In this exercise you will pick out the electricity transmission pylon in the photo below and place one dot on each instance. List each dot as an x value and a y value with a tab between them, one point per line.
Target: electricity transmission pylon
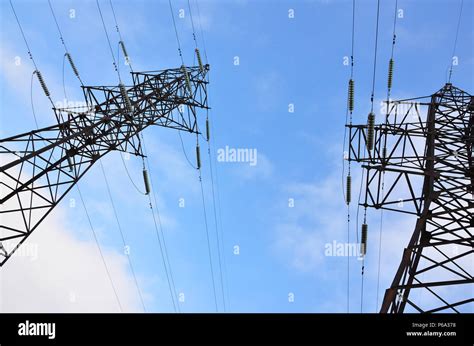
430	163
38	168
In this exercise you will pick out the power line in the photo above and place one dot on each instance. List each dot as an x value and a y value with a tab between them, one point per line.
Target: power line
447	106
115	19
348	257
221	227
157	224
121	157
172	293
130	177
129	63
394	35
455	41
210	165
198	166
37	72
99	248
164	243
31	99
350	100
23	35
85	208
205	217
132	270
198	54
192	24
379	256
217	230
158	230
176	33
384	149
121	43
77	186
362	286
346	181
184	151
63	75
357	235
375	56
201	30
215	211
108	41
224	291
86	211
370	128
207	237
67	55
57	25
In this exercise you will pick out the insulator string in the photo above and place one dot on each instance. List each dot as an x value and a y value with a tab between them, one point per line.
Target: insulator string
37	71
201	31
121	42
67	54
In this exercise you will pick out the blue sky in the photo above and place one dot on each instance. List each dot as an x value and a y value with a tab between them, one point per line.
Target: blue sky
282	60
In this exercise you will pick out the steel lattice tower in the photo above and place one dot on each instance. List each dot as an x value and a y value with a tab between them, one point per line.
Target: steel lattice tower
429	162
38	168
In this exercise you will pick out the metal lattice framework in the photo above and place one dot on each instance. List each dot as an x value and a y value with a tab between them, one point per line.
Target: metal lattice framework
435	156
38	168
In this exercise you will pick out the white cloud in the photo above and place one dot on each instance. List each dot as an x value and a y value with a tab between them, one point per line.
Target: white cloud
67	275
